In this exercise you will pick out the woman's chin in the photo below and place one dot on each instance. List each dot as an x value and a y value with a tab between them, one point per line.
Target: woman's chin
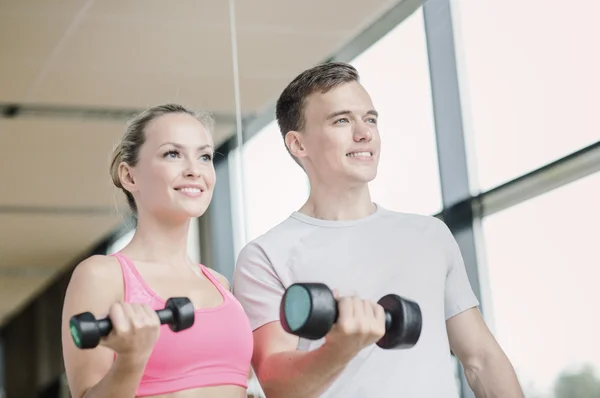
182	214
192	211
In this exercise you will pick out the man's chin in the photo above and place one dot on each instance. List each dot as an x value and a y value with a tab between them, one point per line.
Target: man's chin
357	181
365	177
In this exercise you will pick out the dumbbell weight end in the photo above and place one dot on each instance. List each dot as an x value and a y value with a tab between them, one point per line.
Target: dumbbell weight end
308	310
178	314
403	322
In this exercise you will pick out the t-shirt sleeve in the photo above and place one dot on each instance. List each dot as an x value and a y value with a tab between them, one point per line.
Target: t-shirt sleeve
459	295
257	286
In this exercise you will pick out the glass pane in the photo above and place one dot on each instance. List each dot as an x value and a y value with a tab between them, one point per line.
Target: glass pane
275	185
120	243
529	78
395	72
544	270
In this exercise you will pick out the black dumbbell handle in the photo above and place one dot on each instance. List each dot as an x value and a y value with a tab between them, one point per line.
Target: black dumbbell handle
105	325
388	318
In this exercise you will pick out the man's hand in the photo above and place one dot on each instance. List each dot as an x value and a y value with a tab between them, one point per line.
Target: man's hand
360	323
286	372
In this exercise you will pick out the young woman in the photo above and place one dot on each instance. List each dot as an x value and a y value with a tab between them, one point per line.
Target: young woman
164	165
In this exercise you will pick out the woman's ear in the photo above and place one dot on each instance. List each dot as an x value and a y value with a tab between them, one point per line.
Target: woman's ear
126	177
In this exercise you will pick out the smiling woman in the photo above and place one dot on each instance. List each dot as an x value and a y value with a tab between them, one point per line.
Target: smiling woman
164	166
163	118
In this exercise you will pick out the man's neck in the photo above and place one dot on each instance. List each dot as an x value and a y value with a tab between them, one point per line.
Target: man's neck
339	203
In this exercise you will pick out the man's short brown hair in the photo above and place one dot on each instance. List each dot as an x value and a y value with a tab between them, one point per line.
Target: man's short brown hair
289	110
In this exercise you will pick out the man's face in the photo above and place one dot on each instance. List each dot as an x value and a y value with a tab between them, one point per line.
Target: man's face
341	140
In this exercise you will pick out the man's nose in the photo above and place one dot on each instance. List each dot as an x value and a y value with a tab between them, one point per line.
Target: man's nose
362	132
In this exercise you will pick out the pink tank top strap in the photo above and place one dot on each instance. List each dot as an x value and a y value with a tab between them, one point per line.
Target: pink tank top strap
133	284
213	279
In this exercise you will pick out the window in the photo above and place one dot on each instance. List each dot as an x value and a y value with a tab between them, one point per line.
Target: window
395	72
543	265
121	242
275	185
528	75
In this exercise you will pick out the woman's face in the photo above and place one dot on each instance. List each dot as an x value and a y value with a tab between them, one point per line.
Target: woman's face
175	176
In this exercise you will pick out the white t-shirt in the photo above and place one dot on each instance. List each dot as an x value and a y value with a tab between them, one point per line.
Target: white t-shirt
413	256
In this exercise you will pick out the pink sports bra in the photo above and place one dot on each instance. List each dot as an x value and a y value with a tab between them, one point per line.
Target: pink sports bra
216	350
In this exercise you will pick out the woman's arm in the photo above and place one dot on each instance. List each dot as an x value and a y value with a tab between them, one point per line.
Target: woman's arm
96	286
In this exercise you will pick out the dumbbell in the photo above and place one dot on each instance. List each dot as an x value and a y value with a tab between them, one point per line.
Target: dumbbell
309	310
87	331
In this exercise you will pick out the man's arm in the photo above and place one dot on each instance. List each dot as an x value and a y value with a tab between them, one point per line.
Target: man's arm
282	370
487	368
285	372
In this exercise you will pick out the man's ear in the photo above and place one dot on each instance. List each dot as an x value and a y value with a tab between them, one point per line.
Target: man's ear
126	177
293	140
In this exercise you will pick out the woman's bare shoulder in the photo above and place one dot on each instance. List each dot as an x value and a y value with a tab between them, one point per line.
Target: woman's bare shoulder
98	266
222	280
100	274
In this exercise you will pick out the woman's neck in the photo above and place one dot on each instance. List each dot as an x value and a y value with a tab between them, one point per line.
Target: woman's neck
159	242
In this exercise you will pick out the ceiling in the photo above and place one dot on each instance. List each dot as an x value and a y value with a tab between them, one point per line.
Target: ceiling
71	57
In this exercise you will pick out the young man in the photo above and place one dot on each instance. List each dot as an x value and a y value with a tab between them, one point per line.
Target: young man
341	238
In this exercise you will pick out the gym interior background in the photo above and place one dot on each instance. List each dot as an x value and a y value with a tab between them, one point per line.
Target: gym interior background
487	119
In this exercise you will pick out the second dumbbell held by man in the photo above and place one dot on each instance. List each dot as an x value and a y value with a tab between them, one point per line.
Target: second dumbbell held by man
311	310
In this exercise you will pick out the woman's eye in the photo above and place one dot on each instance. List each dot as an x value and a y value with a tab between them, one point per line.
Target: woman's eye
171	154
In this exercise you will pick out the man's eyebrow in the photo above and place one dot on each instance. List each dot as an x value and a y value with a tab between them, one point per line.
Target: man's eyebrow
337	113
372	112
